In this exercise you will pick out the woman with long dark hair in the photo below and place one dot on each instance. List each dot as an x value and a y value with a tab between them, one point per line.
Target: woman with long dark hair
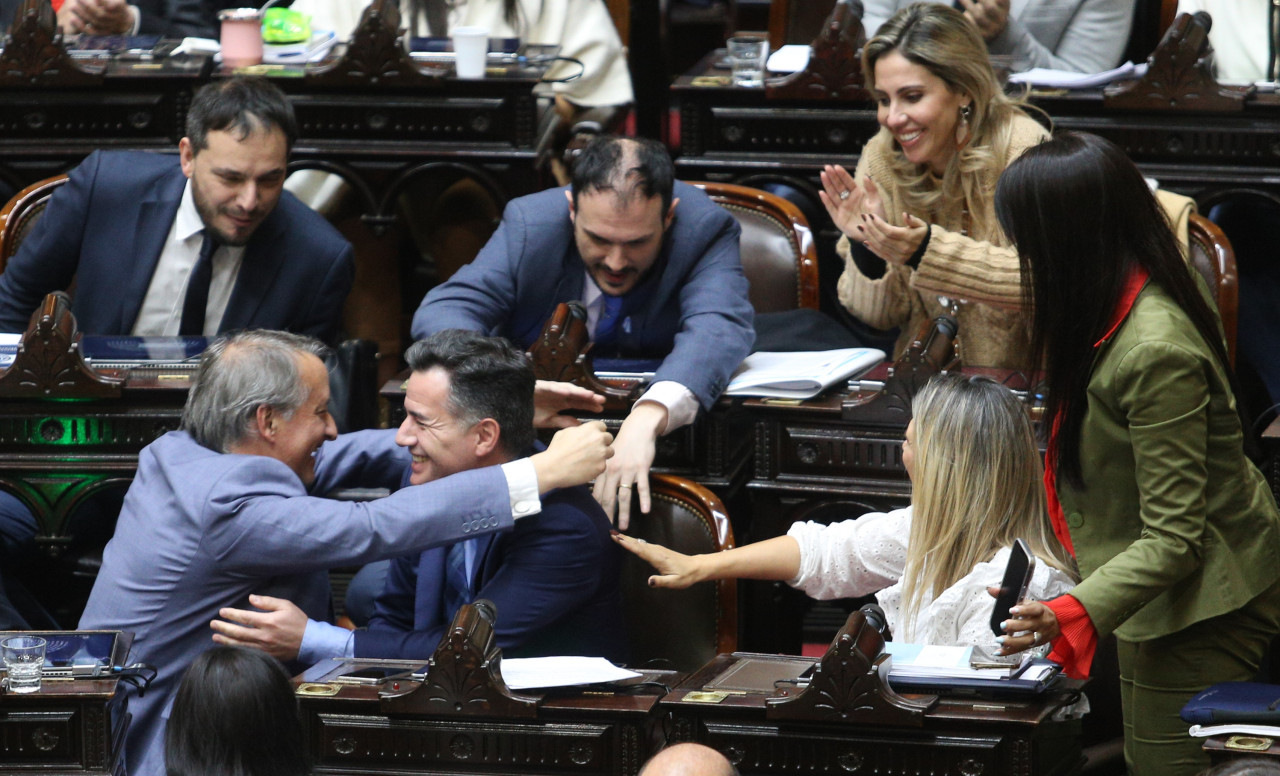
1176	534
235	715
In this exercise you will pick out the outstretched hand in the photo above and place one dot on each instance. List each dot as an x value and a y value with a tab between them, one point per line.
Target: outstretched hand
628	470
550	398
675	570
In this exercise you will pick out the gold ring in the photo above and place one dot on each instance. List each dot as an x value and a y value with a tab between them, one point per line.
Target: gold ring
620	487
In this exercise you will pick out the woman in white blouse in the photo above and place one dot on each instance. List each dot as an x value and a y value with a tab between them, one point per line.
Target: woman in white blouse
977	485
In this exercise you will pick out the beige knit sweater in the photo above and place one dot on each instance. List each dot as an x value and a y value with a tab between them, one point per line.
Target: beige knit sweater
979	273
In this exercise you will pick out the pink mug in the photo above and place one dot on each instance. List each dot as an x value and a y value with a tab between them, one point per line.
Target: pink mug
241	37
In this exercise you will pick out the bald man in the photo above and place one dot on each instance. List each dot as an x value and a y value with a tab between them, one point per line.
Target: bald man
688	760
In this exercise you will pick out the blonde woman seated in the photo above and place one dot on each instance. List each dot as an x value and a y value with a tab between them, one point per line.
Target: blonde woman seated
920	234
976	477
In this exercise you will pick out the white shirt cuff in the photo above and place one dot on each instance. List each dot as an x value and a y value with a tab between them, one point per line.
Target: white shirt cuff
137	19
522	486
681	404
321	641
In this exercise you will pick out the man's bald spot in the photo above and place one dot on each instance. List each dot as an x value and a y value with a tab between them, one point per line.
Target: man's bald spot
688	760
624	180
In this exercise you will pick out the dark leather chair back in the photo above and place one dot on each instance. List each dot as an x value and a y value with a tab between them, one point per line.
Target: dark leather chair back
681	629
21	212
1212	255
778	253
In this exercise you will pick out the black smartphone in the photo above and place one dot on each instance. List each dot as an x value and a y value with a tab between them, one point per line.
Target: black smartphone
1013	588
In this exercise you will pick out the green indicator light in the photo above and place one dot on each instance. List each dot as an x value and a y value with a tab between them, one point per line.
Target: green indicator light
67	430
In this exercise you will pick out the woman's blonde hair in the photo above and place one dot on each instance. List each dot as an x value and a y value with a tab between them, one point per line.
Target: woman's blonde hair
977	484
939	39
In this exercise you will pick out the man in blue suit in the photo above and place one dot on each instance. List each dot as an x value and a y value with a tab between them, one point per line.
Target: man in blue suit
202	244
199	244
223	509
656	264
553	578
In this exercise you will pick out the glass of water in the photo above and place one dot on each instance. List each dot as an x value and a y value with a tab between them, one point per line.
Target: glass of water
23	659
747	54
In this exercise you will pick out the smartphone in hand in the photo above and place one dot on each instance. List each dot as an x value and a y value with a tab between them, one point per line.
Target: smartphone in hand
1013	588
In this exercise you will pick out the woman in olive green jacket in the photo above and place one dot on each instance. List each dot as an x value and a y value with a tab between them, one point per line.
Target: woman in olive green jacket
1176	533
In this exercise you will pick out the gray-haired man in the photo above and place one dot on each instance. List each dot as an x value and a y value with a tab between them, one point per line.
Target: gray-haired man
221	509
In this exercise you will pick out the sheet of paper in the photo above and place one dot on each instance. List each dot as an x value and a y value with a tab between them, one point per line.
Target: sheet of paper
522	673
791	58
1065	79
1204	731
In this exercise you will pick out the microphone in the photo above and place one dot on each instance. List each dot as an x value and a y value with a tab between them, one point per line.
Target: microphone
487	609
875	617
936	348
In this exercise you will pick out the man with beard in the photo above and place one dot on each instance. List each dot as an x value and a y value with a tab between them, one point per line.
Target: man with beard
656	265
202	244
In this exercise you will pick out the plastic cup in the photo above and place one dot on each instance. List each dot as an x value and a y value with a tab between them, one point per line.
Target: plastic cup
23	658
241	37
747	54
470	50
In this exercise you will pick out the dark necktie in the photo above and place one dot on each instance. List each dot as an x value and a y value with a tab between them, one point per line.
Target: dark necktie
607	325
457	583
197	300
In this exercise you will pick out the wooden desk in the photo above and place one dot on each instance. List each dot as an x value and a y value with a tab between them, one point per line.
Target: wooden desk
374	117
67	727
462	718
68	431
847	719
577	734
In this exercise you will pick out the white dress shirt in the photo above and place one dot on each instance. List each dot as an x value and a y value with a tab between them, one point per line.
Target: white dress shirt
161	310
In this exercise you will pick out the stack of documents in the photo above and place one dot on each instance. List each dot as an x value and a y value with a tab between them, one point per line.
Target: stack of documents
800	375
933	669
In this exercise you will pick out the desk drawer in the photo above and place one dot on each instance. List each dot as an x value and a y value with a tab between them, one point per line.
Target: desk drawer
795	451
367	744
40	738
767	749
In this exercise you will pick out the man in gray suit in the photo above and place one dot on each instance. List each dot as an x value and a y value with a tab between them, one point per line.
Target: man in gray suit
222	509
1083	36
656	264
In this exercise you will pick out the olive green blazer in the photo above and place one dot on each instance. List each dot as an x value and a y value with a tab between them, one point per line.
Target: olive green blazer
1174	524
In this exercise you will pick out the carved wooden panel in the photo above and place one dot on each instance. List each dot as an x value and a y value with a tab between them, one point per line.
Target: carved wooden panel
448	746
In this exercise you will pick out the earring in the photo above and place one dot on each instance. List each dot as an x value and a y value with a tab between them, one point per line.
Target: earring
962	126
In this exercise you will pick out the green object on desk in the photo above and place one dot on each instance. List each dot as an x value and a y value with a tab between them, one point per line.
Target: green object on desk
285	25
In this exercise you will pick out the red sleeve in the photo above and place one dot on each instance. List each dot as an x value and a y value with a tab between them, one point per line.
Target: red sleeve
1075	646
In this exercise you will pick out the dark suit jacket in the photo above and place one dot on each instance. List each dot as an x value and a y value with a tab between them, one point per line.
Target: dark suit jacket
107	225
692	311
166	18
554	579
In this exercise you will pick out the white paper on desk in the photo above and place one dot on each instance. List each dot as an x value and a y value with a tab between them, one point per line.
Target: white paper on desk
9	348
791	58
1204	731
799	375
313	50
1065	79
522	673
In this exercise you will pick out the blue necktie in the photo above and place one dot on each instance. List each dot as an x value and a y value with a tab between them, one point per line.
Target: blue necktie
457	583
610	316
193	307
